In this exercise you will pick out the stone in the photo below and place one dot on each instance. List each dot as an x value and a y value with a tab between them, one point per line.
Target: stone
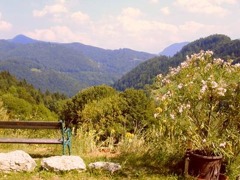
16	161
63	163
109	166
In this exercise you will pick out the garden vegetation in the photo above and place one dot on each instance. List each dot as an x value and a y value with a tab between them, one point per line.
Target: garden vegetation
146	132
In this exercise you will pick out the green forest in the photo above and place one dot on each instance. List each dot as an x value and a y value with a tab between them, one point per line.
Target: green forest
22	101
145	73
66	67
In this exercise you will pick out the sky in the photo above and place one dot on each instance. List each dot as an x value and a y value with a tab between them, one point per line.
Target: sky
142	25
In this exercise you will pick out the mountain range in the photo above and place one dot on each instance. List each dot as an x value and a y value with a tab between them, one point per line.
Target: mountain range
145	73
173	49
65	67
69	67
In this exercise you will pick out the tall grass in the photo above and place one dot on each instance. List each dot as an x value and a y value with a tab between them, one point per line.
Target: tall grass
152	151
85	141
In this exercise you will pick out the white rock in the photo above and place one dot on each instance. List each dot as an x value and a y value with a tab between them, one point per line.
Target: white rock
63	163
109	166
16	161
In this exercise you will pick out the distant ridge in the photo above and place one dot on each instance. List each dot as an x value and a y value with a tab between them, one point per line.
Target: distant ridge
146	72
173	49
65	67
22	39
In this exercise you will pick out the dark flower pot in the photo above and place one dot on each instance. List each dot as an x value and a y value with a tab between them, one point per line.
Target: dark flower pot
205	167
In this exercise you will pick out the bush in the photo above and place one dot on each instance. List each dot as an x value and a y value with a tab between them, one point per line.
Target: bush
108	112
199	101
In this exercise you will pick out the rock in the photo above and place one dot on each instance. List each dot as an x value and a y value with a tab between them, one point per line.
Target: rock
63	163
109	166
16	161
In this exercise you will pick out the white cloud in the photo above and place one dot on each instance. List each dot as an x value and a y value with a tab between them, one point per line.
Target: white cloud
54	34
191	30
136	23
191	26
54	10
205	6
225	1
165	10
61	1
130	28
131	12
4	25
80	17
154	1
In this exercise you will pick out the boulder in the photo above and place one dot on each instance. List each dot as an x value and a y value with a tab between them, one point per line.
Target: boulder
16	161
63	163
109	166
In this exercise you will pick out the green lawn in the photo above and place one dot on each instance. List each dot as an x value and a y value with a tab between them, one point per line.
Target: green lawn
40	151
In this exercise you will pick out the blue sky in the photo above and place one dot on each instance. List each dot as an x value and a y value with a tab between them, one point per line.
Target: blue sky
143	25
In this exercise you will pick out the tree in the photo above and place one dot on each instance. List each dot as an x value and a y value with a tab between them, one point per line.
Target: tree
109	112
105	116
71	112
139	109
23	101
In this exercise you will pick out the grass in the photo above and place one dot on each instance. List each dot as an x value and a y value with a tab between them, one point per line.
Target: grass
135	157
88	155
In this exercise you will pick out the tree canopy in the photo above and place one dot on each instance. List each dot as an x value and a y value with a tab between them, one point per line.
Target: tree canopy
109	112
23	101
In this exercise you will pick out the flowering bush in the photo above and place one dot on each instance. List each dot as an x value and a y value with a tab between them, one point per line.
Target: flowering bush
200	101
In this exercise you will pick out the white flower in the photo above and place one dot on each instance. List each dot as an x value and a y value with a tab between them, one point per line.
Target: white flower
218	61
166	81
209	52
188	106
180	109
237	65
204	140
164	97
221	91
208	66
223	145
169	93
204	82
204	88
184	64
159	76
172	116
180	86
214	84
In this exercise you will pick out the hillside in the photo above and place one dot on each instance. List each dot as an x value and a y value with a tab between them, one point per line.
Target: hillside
23	101
221	45
173	49
65	68
22	39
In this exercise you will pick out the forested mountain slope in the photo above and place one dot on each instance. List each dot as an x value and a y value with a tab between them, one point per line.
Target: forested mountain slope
65	68
22	101
144	74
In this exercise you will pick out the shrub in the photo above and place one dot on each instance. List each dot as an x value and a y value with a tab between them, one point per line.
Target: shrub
199	101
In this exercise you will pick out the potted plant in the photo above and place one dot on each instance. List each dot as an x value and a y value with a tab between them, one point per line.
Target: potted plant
199	102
